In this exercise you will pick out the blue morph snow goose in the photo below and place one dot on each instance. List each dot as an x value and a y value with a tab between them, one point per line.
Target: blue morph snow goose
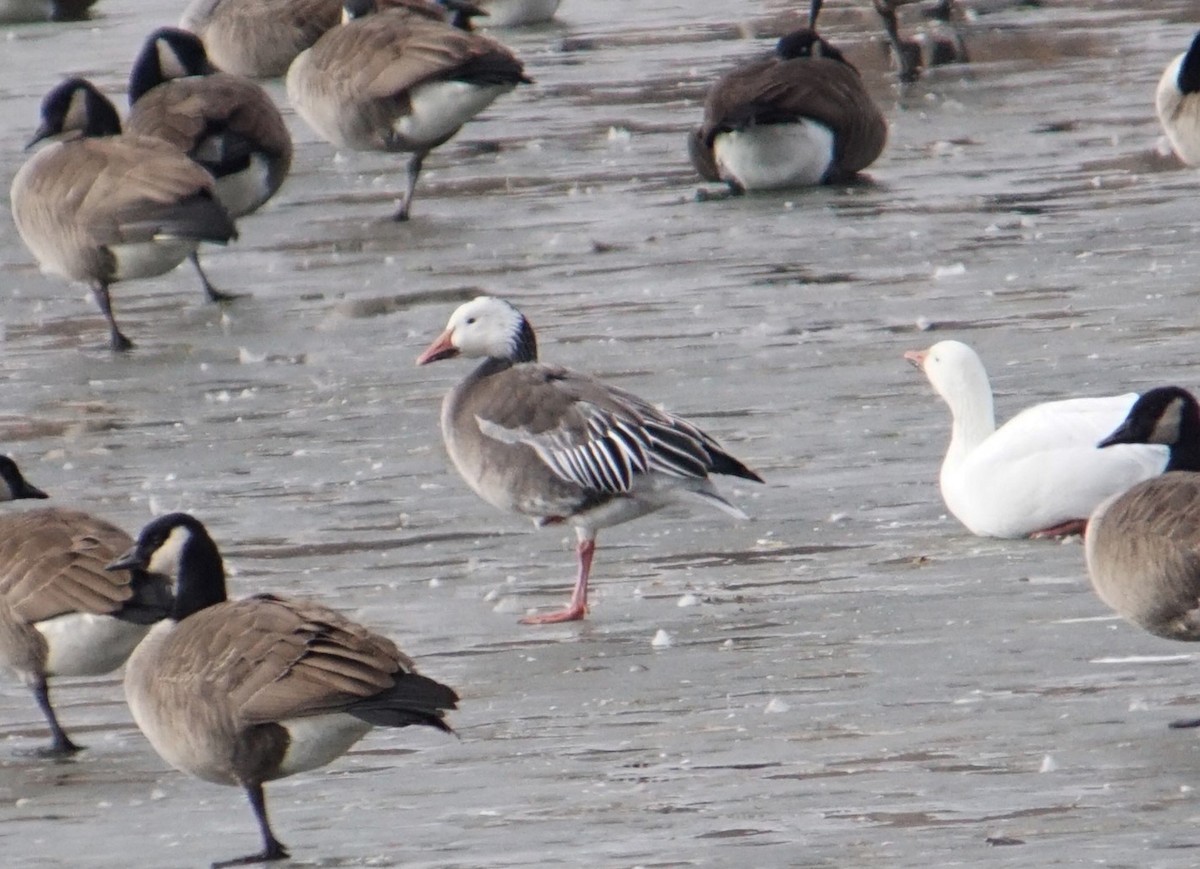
560	446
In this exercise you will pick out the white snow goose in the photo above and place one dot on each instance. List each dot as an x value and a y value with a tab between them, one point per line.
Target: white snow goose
1141	545
560	446
242	692
1177	101
1040	474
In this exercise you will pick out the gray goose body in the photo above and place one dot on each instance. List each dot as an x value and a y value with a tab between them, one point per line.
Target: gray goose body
560	446
259	38
799	118
1143	546
107	207
226	123
395	80
242	692
61	612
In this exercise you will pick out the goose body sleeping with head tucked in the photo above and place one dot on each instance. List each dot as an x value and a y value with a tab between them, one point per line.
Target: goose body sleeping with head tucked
560	446
1177	101
61	612
800	118
242	692
1143	545
1040	474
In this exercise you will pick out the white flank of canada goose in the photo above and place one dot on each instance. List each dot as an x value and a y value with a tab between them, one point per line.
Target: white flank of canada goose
1142	544
20	11
226	123
1040	474
242	692
1177	101
61	612
560	446
800	118
395	80
103	207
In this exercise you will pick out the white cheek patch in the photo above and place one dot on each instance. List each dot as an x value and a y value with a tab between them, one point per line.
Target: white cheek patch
165	559
1166	428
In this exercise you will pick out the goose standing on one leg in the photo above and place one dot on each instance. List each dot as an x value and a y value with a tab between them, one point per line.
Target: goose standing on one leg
242	692
226	123
560	446
394	80
1143	545
800	118
61	612
1040	474
1178	103
103	207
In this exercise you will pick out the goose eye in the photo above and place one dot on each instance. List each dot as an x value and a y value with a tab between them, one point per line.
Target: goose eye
470	321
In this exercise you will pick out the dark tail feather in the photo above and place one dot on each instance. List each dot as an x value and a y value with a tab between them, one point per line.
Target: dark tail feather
414	699
723	463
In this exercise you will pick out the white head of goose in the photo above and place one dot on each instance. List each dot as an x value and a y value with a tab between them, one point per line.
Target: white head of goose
102	207
61	613
800	118
242	692
224	122
560	446
1177	101
1038	475
1141	544
392	79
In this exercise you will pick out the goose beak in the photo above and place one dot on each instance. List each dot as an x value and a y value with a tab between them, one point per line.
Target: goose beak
442	348
916	358
28	490
1120	436
131	560
42	132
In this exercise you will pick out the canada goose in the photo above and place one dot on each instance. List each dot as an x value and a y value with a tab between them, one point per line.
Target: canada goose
17	11
1141	545
913	55
518	13
242	692
800	118
560	446
61	613
1041	474
397	81
224	122
261	38
105	207
1178	103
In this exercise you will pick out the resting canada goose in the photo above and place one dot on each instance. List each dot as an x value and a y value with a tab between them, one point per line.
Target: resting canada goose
393	80
1178	103
261	38
17	11
800	118
105	207
242	692
224	122
1040	474
1141	545
560	446
61	613
518	13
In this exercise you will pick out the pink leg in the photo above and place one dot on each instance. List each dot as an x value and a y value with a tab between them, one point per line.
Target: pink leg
577	608
1062	529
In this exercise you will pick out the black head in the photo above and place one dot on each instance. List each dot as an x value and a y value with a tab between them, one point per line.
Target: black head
167	53
13	485
178	545
461	12
352	9
1167	415
76	108
805	43
1189	71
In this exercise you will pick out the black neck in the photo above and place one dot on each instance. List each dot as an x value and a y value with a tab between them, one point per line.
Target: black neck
1185	456
526	344
1189	70
201	580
